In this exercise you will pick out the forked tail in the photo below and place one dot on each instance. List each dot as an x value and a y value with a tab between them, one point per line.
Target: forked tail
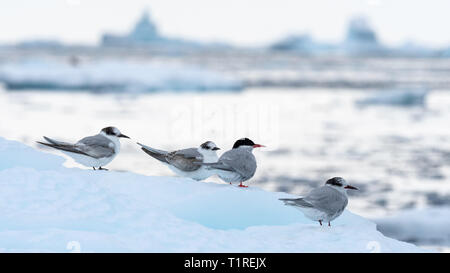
155	153
64	146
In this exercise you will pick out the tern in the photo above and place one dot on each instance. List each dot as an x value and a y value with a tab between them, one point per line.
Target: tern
237	164
325	203
92	151
187	162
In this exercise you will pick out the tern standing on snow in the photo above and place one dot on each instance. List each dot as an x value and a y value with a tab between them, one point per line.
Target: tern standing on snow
92	151
325	203
187	162
237	164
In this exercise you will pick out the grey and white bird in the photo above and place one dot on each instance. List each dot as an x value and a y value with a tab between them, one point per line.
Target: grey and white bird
325	203
237	164
187	162
92	151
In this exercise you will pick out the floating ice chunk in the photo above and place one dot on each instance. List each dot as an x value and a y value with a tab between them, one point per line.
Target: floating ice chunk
426	226
107	76
412	97
301	43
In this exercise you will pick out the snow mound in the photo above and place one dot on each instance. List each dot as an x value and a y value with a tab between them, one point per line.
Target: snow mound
107	76
413	97
15	154
54	210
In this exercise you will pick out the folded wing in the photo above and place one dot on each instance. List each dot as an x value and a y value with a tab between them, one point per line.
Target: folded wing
96	146
327	199
296	202
187	160
241	162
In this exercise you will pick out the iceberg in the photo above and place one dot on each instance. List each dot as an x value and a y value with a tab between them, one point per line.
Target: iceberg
113	76
361	39
145	34
57	209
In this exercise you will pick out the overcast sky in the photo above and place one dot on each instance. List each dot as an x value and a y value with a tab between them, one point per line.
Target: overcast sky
244	22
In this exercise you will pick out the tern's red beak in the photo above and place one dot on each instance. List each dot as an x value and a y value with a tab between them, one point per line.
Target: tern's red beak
258	146
350	187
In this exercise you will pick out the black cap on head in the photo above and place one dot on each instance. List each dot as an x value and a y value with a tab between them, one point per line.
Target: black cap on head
209	145
335	181
112	131
243	142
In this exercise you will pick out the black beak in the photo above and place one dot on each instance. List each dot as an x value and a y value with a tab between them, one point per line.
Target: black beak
350	187
122	135
215	148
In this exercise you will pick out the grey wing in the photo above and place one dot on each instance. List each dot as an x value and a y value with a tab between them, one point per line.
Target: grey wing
238	161
243	162
187	160
327	200
96	146
296	202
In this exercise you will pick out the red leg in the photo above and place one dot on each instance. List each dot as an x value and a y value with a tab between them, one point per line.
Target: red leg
242	185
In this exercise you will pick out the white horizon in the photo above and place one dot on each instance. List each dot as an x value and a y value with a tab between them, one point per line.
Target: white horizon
249	23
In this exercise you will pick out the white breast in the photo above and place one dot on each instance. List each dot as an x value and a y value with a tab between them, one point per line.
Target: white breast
313	214
89	161
199	174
